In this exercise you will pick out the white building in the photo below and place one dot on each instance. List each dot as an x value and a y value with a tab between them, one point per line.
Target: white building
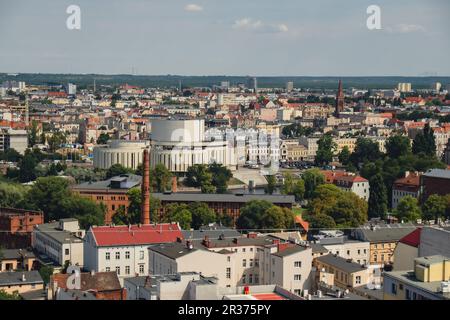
124	152
179	144
60	242
123	249
13	139
252	260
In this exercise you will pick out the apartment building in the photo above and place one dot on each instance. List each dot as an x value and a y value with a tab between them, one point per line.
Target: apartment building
59	242
251	260
409	185
341	272
348	182
123	249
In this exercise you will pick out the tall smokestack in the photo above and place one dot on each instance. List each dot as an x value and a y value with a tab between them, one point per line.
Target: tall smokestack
145	210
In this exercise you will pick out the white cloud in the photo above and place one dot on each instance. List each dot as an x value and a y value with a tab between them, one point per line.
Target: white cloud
249	24
193	8
405	28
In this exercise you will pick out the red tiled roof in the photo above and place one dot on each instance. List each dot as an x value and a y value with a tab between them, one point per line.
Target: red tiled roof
412	239
136	235
57	94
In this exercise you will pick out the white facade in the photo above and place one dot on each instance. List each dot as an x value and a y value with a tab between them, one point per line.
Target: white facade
127	153
126	261
13	139
179	144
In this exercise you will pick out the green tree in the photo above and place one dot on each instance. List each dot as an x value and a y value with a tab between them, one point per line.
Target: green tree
161	178
201	214
56	140
179	213
103	138
378	199
251	214
366	150
198	176
116	170
220	177
292	186
47	194
424	142
271	184
86	211
408	209
276	218
325	151
434	207
32	137
312	179
13	195
320	221
10	155
344	156
397	146
26	168
46	272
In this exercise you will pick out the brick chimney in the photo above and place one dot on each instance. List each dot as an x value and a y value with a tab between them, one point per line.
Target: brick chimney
145	210
174	184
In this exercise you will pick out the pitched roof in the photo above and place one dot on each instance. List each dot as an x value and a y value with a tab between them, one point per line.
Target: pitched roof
340	263
99	281
236	198
412	239
106	236
16	278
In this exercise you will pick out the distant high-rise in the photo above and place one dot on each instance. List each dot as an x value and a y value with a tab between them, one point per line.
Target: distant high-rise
339	107
253	84
71	89
289	86
404	87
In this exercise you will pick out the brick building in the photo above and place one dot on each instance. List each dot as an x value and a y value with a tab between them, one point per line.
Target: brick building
16	226
435	181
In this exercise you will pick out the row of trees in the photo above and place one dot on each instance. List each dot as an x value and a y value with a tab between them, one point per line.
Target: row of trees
434	208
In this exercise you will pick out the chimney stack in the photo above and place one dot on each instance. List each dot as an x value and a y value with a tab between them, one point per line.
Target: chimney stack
145	210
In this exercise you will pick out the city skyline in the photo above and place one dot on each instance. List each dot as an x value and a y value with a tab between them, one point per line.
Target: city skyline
211	38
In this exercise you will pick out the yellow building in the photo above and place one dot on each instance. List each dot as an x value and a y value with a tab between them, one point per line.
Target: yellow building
430	280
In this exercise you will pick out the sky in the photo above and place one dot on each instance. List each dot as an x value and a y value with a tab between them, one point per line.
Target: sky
226	37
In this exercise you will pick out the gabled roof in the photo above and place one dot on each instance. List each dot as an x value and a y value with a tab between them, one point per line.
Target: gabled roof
106	236
412	239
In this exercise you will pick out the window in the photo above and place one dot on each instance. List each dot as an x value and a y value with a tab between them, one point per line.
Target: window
113	207
297	277
256	262
348	252
244	262
408	294
107	269
298	292
365	251
243	249
251	249
67	252
382	257
394	288
359	251
250	278
297	264
228	258
358	280
243	278
107	256
118	270
127	270
251	262
117	255
141	255
127	254
400	286
375	258
141	268
228	273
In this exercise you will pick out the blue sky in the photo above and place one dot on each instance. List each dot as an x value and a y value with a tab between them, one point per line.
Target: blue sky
227	37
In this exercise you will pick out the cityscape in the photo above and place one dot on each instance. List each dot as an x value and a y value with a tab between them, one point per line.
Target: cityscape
239	188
